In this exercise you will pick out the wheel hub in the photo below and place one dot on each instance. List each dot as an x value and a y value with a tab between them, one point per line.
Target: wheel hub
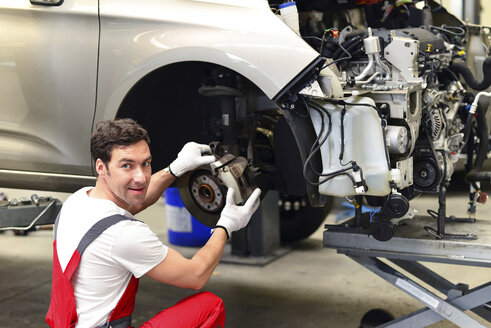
203	195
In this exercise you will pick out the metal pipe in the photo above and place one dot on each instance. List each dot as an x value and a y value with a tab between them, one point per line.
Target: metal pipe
367	68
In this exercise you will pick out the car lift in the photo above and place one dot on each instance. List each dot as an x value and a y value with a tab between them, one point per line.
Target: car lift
24	214
411	245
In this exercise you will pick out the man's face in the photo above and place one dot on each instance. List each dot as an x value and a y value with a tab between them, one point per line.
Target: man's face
127	174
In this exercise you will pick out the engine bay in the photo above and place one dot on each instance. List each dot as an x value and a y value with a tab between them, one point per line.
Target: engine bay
395	100
389	107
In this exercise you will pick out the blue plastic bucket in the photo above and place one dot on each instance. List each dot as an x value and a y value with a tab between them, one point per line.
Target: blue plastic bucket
183	229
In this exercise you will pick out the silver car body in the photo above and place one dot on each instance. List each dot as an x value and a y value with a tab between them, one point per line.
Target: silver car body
65	66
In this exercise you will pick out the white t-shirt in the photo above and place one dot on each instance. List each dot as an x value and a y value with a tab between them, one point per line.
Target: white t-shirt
107	264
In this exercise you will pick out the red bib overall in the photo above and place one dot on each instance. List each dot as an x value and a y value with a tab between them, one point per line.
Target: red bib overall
62	311
204	309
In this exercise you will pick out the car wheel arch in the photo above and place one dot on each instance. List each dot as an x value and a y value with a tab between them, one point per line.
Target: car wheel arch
167	103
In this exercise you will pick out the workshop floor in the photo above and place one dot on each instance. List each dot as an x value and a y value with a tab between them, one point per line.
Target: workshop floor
308	287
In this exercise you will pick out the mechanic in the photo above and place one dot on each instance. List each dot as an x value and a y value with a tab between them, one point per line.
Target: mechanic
100	249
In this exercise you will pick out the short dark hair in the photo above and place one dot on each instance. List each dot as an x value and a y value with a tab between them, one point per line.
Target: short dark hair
114	133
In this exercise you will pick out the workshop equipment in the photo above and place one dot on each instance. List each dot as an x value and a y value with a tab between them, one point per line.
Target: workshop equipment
411	245
22	215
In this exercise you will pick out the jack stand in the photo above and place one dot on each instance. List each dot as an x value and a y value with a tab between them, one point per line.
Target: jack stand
451	218
356	224
372	224
259	243
358	210
442	219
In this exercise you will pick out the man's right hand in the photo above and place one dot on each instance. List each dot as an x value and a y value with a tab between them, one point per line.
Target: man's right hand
190	157
236	217
179	271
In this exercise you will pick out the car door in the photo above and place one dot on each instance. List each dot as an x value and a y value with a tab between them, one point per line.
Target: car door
48	73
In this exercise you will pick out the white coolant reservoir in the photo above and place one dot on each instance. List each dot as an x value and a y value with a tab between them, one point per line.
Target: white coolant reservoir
363	143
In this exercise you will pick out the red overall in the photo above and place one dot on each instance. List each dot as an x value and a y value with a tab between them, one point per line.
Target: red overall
203	309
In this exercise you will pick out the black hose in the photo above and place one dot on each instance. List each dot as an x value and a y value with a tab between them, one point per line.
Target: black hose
482	133
357	45
460	68
475	173
473	176
467	127
346	45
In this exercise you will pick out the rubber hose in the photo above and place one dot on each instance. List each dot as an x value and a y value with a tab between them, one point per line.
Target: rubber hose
477	176
483	134
460	68
355	45
482	125
346	44
467	127
475	173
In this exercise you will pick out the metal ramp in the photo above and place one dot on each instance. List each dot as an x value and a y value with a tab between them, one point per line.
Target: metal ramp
411	245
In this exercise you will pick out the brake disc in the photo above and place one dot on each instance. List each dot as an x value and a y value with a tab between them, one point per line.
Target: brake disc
203	195
204	190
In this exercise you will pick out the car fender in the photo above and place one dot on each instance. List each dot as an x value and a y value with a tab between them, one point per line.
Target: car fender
248	39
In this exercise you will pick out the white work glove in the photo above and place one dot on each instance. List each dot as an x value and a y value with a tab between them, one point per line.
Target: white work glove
236	217
190	157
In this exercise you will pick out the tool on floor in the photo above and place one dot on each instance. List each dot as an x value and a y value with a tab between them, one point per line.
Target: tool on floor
24	214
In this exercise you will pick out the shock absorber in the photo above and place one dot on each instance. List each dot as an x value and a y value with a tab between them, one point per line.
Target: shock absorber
227	93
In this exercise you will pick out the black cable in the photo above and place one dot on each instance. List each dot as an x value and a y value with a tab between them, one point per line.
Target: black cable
343	103
317	146
345	45
475	173
312	37
306	107
449	71
318	142
341	153
383	123
339	59
448	29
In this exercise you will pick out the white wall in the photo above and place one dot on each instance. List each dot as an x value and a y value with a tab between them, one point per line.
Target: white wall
486	12
455	7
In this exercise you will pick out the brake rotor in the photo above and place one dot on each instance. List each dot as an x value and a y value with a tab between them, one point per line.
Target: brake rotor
203	195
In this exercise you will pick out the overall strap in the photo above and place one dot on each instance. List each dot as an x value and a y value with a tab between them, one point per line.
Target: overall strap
97	229
121	315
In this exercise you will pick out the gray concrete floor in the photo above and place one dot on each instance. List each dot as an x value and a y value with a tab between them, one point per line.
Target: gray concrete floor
308	287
